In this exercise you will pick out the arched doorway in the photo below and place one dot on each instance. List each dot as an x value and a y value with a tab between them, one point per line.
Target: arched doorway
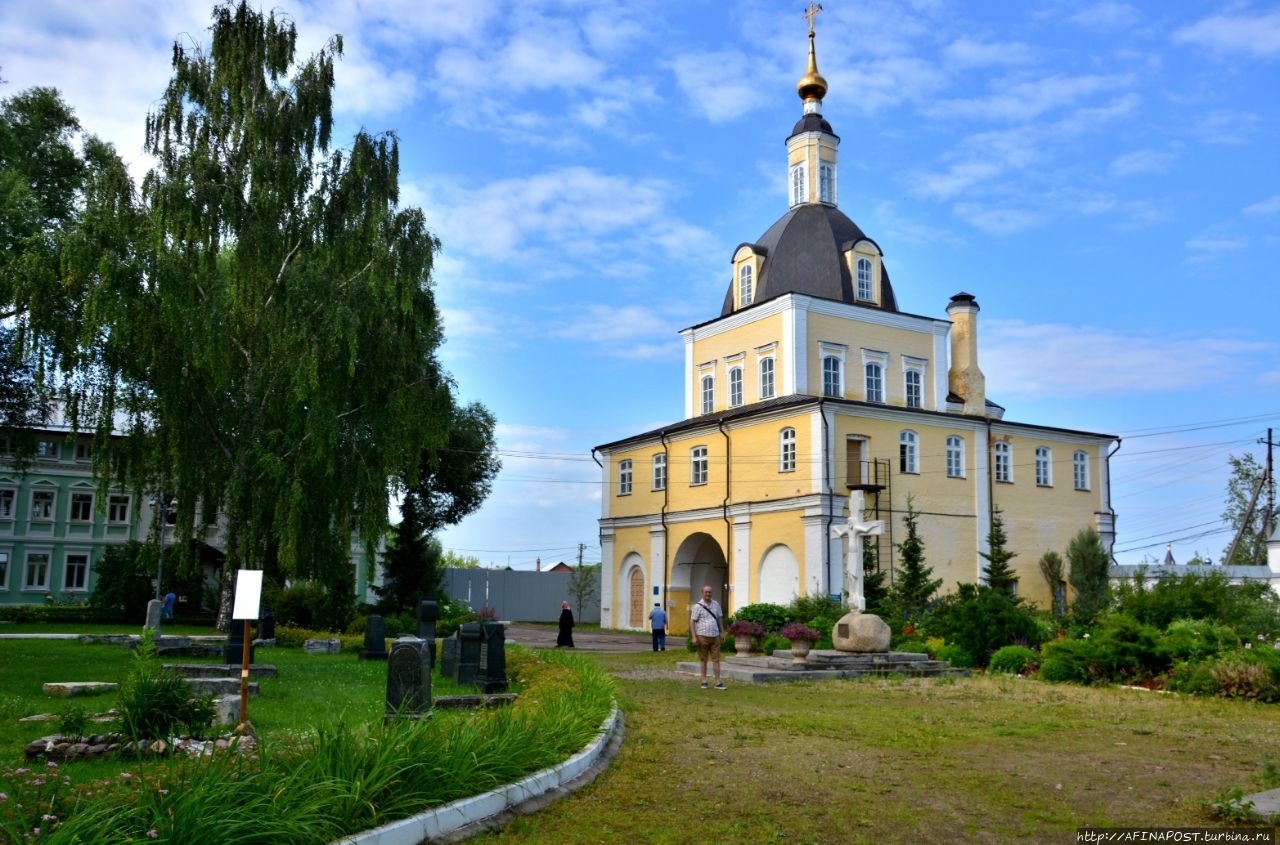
779	576
698	561
631	592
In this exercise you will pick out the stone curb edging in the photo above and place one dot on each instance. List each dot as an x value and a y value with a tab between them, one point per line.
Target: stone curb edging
468	816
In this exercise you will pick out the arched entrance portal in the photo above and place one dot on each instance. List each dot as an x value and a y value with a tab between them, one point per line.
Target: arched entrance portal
699	561
631	592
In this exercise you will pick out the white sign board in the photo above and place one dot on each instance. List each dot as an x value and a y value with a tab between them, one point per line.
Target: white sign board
248	594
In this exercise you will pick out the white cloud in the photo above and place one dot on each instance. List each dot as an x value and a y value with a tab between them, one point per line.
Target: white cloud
1107	16
1028	361
1020	101
1270	205
968	52
1214	245
997	221
1230	128
1142	161
722	85
1256	35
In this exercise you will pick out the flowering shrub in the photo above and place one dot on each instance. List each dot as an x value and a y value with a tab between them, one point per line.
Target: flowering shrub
798	631
32	800
746	628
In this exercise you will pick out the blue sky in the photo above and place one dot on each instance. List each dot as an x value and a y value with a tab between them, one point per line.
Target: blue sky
1104	177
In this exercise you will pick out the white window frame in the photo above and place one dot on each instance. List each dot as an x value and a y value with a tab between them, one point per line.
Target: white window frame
66	571
1080	469
832	376
735	386
707	392
49	450
624	477
46	513
787	450
698	466
827	182
913	373
8	502
908	452
768	377
865	290
799	184
85	508
84	450
6	563
27	584
746	286
1003	463
116	501
659	474
874	372
1044	466
955	456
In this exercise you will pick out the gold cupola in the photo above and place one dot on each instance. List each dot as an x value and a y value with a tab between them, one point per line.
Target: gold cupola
812	87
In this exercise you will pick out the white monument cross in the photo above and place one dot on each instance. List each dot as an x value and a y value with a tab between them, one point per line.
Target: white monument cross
855	529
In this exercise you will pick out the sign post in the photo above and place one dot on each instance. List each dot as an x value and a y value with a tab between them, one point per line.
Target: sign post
248	598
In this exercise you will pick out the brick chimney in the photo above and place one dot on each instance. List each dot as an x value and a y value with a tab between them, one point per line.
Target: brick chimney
539	565
964	379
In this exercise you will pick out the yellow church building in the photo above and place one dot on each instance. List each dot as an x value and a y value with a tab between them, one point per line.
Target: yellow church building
809	384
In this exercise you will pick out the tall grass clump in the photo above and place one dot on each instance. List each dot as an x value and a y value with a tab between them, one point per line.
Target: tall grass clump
343	779
157	703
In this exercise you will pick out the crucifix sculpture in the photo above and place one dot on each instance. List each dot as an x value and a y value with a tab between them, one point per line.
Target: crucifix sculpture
855	529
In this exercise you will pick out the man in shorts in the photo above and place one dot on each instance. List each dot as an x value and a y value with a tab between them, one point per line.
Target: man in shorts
707	629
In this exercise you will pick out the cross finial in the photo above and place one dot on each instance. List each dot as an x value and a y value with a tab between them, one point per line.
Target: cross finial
811	13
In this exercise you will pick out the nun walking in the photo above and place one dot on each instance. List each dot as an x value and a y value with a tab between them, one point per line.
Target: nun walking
565	638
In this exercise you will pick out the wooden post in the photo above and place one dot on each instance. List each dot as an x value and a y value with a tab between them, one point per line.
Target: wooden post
244	677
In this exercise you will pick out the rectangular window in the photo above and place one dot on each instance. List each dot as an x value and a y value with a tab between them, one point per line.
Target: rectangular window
787	450
735	387
1080	470
955	457
831	376
708	394
81	507
47	449
6	503
76	575
914	389
875	382
4	569
117	508
766	378
84	451
42	504
37	571
1044	467
697	466
624	478
660	471
827	182
1004	463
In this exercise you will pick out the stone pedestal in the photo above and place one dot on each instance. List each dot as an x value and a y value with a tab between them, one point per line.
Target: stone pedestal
861	633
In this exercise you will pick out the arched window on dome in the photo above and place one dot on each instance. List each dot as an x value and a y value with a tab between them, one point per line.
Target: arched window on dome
746	287
827	182
799	188
865	287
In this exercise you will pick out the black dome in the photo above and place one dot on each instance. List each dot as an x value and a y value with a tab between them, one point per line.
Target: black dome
803	253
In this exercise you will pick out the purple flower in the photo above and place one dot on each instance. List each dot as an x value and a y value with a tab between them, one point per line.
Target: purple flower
153	833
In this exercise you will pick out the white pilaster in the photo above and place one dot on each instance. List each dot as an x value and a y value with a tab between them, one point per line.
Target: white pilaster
608	567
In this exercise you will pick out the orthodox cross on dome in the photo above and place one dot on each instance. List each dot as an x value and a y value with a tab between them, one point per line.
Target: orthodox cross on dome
855	529
811	13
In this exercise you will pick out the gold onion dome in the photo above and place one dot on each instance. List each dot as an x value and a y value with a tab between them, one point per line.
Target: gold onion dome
812	86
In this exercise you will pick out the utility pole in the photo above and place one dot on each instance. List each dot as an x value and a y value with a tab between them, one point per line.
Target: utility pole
1269	518
581	548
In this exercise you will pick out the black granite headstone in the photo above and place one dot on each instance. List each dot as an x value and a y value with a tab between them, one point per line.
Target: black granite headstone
233	651
449	657
267	626
408	679
493	658
375	640
468	654
428	613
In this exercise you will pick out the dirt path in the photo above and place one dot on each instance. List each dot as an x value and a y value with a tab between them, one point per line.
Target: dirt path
587	639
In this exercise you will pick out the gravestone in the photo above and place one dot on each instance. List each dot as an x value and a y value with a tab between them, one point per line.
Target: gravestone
375	640
449	657
267	626
155	612
428	613
233	651
492	676
322	645
468	665
408	679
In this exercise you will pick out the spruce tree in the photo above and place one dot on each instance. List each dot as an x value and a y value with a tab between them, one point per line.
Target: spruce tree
1088	574
914	586
1000	575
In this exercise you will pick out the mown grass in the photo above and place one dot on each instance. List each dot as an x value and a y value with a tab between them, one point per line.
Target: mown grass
326	764
985	759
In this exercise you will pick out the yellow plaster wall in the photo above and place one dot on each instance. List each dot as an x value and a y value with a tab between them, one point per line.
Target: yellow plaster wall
744	341
756	449
643	498
856	336
772	529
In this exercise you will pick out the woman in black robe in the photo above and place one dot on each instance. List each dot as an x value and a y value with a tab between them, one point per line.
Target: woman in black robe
566	626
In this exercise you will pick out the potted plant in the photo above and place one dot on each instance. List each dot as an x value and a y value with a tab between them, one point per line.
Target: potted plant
744	633
802	639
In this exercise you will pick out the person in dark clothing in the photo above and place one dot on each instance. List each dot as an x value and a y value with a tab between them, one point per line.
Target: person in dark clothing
566	626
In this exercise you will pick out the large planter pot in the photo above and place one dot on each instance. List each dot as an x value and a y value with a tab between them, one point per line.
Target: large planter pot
742	645
800	650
